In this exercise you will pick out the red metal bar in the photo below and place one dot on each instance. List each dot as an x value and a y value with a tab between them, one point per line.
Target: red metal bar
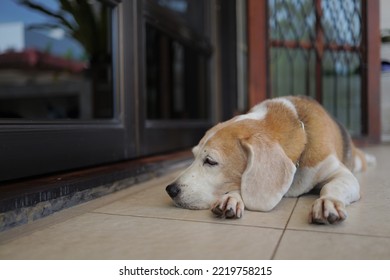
292	44
257	51
345	47
319	44
371	77
309	45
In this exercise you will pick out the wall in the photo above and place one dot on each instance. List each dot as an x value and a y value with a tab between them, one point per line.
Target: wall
385	81
385	14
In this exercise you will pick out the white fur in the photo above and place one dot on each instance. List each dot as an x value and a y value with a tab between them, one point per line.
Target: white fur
287	103
199	183
306	178
339	188
329	170
358	164
257	113
370	160
261	190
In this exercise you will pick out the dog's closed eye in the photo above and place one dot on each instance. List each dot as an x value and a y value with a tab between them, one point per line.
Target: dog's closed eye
209	161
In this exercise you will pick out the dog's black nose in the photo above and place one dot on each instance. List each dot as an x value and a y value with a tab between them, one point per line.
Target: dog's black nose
173	190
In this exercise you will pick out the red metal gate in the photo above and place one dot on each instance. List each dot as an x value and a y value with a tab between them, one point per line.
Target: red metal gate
321	48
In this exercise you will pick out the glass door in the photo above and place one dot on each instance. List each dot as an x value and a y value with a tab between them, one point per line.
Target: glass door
176	96
61	98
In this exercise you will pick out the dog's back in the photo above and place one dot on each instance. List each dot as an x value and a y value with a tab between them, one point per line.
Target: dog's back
334	137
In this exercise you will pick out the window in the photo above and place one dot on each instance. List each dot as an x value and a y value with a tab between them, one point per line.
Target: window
56	61
59	93
84	83
176	79
177	95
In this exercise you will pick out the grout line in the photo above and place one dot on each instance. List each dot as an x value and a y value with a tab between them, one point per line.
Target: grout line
318	231
340	233
245	225
284	230
184	220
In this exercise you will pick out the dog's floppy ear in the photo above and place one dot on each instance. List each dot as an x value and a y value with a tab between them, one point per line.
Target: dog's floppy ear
268	174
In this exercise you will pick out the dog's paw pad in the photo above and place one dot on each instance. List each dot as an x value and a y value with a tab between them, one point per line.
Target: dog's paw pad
327	211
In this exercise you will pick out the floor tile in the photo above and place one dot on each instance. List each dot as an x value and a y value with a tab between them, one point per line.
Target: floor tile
368	216
142	223
82	208
153	201
307	245
102	236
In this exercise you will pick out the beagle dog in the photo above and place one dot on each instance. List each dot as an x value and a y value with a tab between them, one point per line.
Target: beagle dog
283	147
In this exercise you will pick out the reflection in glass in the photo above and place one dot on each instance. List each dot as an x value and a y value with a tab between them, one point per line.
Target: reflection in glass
55	60
190	11
176	84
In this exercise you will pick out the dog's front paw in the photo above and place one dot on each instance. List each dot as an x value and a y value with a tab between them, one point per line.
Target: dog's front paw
230	205
327	211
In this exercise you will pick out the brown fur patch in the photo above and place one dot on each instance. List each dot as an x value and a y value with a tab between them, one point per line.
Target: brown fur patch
323	134
284	127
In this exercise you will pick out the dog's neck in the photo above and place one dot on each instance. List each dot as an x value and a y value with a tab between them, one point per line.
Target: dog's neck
298	162
289	131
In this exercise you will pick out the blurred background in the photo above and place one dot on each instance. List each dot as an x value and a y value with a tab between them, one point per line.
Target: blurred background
84	83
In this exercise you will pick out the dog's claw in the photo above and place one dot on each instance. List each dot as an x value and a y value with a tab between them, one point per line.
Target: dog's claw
230	213
217	211
327	211
229	206
332	218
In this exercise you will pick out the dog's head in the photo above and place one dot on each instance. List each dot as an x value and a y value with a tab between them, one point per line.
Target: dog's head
235	155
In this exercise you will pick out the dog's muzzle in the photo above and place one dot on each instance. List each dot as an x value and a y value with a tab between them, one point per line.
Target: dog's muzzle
173	190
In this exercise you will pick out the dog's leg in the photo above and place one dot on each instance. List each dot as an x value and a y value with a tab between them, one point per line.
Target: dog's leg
340	190
229	205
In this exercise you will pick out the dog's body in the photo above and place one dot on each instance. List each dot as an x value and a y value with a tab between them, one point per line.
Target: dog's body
282	147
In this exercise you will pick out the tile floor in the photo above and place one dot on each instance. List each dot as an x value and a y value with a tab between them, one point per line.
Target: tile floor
141	223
